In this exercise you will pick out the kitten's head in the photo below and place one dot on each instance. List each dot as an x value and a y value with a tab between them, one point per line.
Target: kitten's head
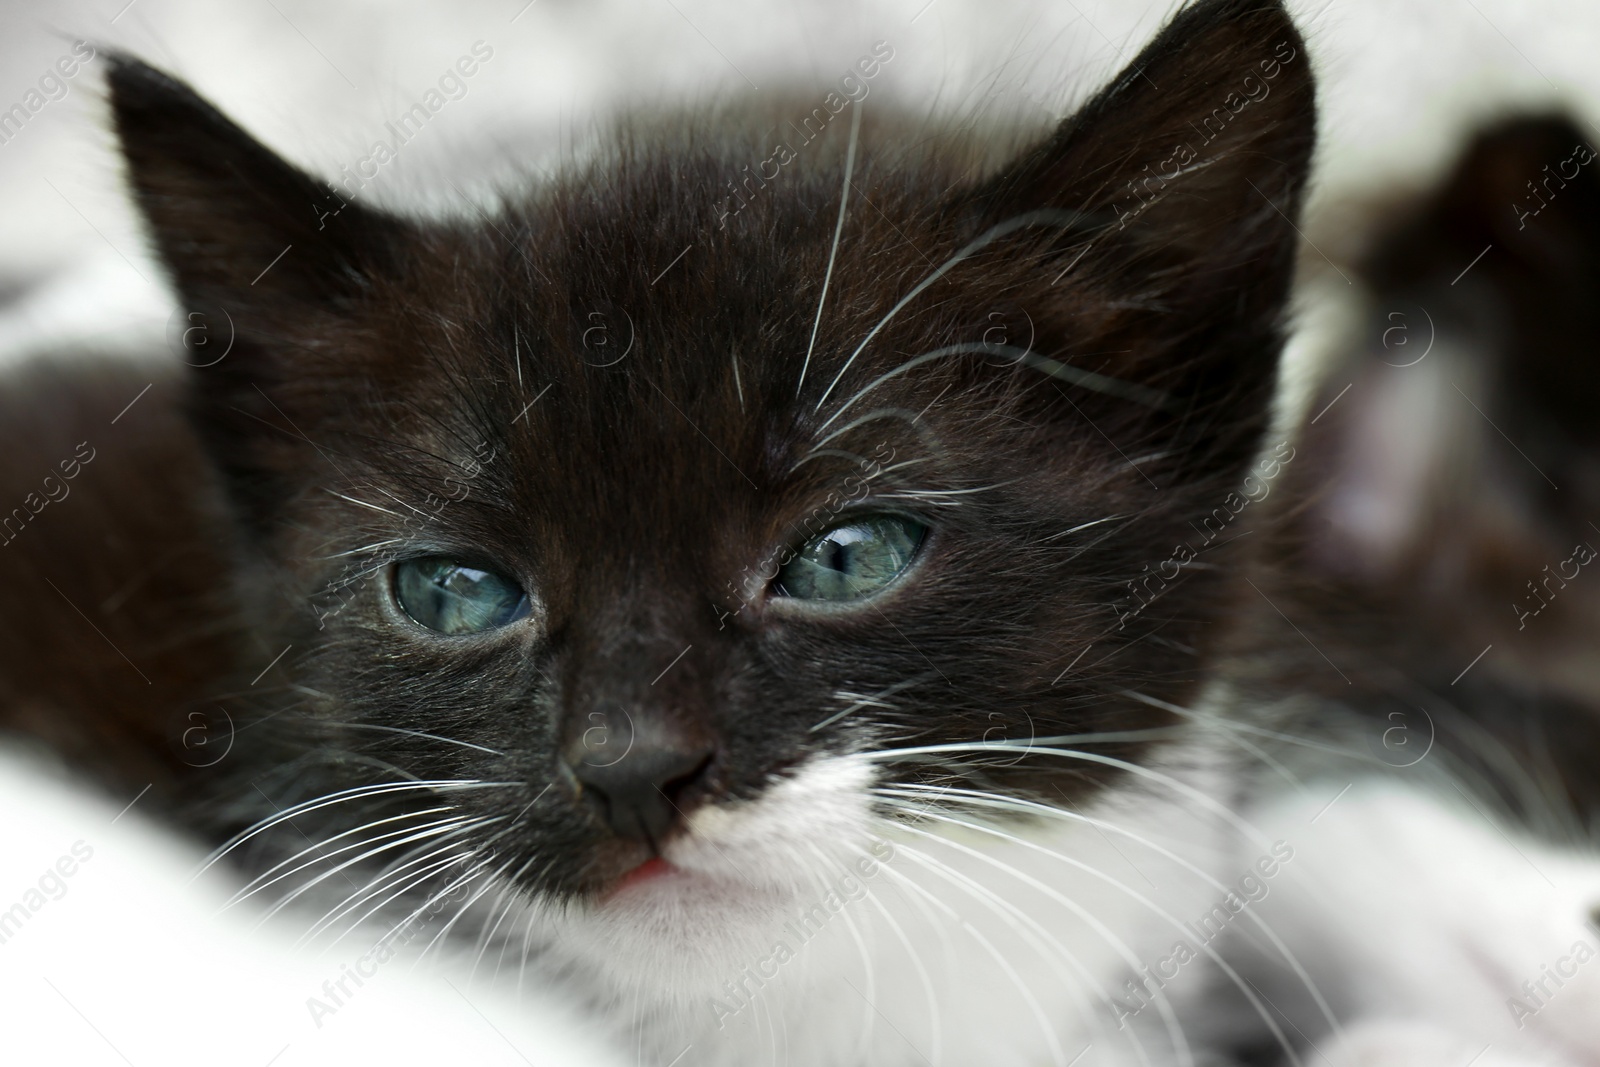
1443	535
1456	481
726	494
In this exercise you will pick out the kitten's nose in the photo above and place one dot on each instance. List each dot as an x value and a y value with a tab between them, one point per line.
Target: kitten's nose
638	795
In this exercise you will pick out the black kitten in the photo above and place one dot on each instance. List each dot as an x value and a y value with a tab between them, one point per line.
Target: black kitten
672	572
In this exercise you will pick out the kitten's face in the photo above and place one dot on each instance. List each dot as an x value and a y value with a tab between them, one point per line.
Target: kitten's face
598	500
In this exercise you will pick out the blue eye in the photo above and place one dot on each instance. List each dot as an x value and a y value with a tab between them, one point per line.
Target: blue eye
451	598
853	560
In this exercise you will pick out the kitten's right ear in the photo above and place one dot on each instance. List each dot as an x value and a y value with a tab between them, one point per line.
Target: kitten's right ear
237	226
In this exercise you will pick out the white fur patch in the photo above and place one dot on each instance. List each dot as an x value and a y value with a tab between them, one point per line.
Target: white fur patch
1442	931
802	926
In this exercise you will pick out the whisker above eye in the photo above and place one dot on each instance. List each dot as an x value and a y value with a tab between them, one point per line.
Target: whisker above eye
361	503
1043	217
959	492
906	415
838	232
401	502
1098	383
364	550
942	498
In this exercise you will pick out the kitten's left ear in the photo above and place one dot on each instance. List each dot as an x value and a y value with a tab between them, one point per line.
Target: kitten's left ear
1164	211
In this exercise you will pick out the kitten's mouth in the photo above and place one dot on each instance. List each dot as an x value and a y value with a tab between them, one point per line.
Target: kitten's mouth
651	870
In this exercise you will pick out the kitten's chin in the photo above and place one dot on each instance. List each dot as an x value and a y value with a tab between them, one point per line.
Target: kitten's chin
706	921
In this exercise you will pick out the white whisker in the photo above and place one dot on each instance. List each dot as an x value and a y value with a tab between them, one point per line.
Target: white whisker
1239	982
265	879
489	883
449	829
935	1026
873	701
1098	383
1076	529
364	549
981	799
1047	1031
1211	804
360	503
1117	945
419	733
471	873
448	855
342	796
989	236
838	232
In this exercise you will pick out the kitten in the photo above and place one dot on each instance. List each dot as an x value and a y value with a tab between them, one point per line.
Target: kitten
1434	652
767	623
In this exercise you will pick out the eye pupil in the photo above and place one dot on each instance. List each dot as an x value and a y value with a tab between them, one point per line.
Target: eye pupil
835	556
451	598
853	560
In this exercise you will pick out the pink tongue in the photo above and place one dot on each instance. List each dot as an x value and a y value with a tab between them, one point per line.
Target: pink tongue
653	868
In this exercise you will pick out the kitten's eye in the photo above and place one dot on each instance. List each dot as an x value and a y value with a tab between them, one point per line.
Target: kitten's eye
853	560
446	596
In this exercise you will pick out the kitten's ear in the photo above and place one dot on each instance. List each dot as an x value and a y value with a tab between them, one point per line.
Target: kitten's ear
1522	207
236	225
1166	204
1474	395
272	270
